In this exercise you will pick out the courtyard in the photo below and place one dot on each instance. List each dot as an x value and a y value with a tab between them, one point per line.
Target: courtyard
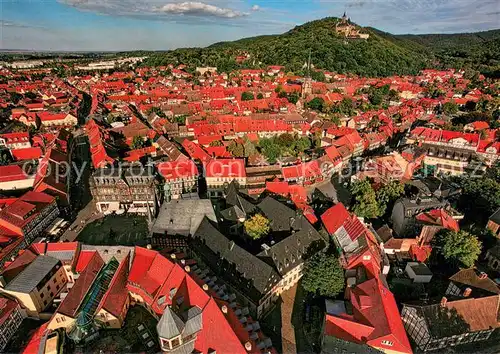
125	230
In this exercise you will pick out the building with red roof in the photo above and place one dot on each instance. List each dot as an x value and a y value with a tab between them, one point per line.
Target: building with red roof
29	215
180	177
14	177
15	140
374	319
32	153
221	172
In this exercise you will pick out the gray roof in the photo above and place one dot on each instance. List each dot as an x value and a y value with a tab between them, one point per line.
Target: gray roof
32	275
294	249
183	216
248	265
420	269
496	217
194	322
62	255
280	215
170	325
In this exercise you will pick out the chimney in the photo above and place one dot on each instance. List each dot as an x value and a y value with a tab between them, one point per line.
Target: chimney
483	275
444	300
467	292
224	309
248	346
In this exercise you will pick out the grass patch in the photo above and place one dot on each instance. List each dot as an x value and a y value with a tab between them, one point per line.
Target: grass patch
112	230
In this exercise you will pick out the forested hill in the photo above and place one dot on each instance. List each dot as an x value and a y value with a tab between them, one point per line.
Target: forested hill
383	54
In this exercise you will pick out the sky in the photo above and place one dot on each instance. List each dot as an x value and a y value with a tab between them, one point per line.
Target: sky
109	25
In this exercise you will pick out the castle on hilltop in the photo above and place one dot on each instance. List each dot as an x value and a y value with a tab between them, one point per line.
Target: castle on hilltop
345	28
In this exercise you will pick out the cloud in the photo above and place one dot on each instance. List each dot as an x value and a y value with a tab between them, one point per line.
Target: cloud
196	8
158	9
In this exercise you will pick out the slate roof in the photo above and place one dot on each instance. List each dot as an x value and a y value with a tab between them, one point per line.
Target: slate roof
33	274
245	263
294	249
183	216
281	216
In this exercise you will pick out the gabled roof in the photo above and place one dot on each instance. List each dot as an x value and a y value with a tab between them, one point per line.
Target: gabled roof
116	296
69	306
335	217
473	278
259	272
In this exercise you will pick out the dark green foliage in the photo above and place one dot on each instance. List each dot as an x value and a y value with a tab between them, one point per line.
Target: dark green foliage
460	248
365	200
323	275
316	104
388	194
450	108
247	96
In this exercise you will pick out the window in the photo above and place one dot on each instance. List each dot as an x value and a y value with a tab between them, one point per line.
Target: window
387	342
58	320
42	295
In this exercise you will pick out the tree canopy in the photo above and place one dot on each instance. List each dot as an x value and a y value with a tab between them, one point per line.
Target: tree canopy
365	200
460	248
323	275
257	226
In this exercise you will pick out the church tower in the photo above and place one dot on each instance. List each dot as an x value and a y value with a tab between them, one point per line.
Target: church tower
307	85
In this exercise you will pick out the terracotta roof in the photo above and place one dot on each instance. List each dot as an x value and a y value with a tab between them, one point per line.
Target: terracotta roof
116	296
69	306
335	217
472	277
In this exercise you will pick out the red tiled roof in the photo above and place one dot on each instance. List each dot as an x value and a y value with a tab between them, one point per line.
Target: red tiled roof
335	217
33	346
225	168
173	170
83	260
71	303
11	173
32	153
116	296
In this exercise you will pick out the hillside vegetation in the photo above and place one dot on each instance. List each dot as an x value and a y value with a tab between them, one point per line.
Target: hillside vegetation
383	54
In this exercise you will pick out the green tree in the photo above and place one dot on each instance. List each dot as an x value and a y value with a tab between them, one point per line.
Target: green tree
137	142
260	96
460	248
366	204
216	143
323	275
236	149
316	104
388	194
375	98
257	226
302	144
247	96
450	108
270	149
249	147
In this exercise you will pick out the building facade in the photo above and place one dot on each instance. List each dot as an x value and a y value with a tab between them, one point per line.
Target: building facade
11	317
119	190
